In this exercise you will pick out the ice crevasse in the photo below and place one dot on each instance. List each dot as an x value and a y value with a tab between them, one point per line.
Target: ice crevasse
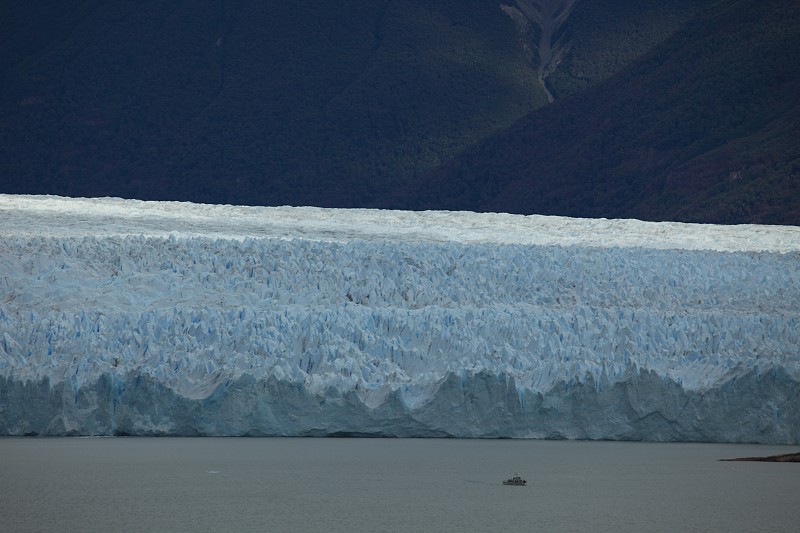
121	317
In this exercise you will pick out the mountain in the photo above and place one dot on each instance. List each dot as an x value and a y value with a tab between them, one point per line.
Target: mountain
271	102
148	318
353	103
575	43
704	128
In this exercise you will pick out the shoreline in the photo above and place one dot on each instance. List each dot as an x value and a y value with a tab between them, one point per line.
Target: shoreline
782	458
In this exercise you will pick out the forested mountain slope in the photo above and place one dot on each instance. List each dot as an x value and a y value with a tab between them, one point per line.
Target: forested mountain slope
359	102
703	128
314	102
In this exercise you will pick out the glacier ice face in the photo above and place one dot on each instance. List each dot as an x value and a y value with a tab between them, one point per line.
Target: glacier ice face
127	317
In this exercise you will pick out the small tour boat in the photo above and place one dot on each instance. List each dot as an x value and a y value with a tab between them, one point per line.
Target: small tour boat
516	480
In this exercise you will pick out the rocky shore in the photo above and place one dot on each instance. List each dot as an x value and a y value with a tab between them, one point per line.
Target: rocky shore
783	458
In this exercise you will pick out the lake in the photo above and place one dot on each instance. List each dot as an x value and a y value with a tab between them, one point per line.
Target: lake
306	484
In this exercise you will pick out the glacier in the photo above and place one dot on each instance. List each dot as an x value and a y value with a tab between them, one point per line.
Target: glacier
124	317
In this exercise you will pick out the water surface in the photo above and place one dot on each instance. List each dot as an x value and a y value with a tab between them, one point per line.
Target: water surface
266	484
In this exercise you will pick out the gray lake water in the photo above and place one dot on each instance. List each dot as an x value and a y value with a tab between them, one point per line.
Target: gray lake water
267	484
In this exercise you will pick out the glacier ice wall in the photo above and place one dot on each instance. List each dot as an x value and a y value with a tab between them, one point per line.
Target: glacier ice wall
326	332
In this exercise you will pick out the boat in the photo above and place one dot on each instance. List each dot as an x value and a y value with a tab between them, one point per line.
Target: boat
516	480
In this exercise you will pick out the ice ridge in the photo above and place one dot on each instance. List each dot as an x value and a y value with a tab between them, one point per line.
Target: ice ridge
337	328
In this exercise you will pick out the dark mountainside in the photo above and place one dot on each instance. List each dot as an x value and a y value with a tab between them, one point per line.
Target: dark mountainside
704	128
322	103
414	104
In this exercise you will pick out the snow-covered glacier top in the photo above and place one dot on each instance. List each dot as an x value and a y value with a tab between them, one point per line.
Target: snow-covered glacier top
99	217
377	302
